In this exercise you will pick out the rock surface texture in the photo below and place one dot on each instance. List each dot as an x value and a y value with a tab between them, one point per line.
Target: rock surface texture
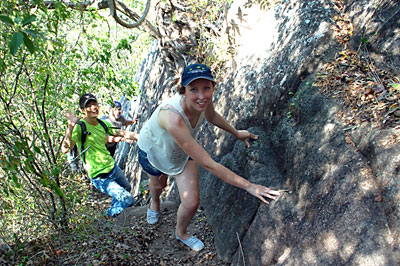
344	192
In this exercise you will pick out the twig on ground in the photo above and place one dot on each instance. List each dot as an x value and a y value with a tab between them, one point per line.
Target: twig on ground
6	244
78	260
241	249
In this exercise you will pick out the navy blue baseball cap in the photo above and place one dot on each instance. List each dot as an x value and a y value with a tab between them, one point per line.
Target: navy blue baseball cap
117	104
196	71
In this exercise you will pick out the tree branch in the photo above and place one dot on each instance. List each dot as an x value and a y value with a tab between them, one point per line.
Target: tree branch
80	5
113	9
112	5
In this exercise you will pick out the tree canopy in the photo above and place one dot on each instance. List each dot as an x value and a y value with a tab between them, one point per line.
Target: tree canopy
52	52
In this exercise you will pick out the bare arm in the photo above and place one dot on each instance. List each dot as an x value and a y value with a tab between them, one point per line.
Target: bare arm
124	135
130	122
216	119
67	143
176	126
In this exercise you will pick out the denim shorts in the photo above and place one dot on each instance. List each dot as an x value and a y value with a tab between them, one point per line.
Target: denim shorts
147	167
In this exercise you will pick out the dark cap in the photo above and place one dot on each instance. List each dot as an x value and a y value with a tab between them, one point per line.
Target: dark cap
196	71
117	104
85	98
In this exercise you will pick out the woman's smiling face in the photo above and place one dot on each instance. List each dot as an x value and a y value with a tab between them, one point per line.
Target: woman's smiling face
199	94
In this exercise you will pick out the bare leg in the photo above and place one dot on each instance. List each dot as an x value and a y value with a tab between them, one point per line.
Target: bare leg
188	186
156	185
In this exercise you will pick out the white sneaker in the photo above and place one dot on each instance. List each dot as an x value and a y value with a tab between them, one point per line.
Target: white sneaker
152	216
192	242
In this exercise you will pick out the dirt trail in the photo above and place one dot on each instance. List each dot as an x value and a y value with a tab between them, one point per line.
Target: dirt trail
124	240
156	244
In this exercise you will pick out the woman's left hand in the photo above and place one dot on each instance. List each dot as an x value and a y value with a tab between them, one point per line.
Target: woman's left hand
243	135
262	192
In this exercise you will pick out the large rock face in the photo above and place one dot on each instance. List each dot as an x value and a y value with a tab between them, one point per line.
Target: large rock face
343	206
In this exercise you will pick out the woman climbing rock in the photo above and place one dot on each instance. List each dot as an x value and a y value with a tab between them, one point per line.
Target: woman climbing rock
167	147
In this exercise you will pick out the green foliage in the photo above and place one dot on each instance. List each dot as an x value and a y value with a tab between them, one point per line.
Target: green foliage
364	40
19	28
212	50
6	20
47	59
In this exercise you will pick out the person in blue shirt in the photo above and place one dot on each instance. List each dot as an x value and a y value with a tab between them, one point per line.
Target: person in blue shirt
116	118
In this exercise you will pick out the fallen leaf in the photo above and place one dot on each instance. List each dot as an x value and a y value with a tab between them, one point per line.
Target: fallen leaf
378	199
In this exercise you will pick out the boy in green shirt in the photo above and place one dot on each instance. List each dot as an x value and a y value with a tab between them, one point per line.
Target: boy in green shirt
104	173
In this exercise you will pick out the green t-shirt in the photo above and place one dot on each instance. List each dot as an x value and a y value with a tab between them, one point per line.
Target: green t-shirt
98	158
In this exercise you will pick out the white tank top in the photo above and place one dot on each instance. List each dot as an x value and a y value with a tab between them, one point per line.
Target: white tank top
162	150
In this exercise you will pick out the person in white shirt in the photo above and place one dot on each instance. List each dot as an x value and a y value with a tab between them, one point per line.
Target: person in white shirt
167	147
